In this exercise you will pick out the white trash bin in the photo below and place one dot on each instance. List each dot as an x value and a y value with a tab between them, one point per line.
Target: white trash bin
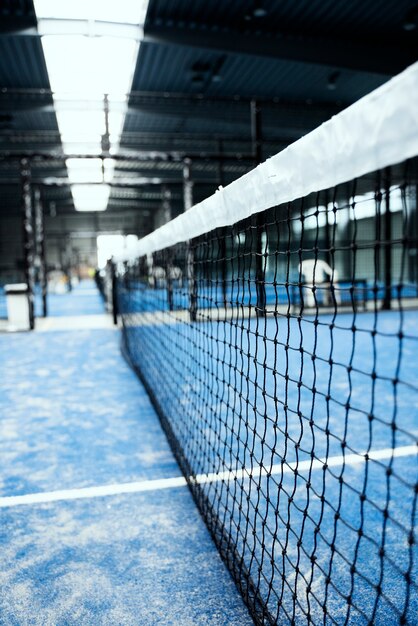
17	299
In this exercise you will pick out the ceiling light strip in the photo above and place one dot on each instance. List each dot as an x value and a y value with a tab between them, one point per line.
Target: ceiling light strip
90	50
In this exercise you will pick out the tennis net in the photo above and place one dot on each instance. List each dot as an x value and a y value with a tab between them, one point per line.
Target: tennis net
275	328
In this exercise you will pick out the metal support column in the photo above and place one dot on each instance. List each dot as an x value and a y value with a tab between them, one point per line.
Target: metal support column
260	261
28	236
40	248
188	203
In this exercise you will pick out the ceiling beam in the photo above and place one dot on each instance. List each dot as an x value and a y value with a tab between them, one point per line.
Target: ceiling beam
289	118
15	99
128	183
146	156
134	143
177	103
375	57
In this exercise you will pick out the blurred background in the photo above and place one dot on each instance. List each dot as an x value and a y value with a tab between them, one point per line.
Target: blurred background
114	117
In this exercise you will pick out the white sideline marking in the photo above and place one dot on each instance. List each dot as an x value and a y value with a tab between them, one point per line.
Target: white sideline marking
332	461
93	492
179	481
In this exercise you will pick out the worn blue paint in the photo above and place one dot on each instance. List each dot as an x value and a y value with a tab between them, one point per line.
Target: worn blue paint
73	414
134	560
84	299
231	409
74	390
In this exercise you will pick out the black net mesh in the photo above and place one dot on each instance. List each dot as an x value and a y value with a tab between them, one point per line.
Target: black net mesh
280	353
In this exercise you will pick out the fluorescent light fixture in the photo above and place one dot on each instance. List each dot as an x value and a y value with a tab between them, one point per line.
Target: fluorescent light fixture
89	66
84	64
90	197
85	170
87	125
122	11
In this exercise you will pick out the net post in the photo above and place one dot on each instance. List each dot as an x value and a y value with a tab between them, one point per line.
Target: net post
28	235
387	225
256	137
40	247
188	203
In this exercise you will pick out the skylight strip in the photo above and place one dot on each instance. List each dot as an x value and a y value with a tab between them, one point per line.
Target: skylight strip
82	68
123	11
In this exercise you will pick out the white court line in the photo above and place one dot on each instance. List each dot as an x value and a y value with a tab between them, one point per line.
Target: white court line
179	481
332	461
93	492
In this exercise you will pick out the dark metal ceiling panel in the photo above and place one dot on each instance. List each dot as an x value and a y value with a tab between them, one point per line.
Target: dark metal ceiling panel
22	63
335	17
162	68
251	76
39	141
325	32
151	123
16	16
166	68
39	120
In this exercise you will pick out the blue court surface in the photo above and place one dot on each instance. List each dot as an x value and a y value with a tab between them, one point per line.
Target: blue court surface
362	398
74	416
83	299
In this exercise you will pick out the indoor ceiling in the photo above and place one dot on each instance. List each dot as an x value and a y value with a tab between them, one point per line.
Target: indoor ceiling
199	66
